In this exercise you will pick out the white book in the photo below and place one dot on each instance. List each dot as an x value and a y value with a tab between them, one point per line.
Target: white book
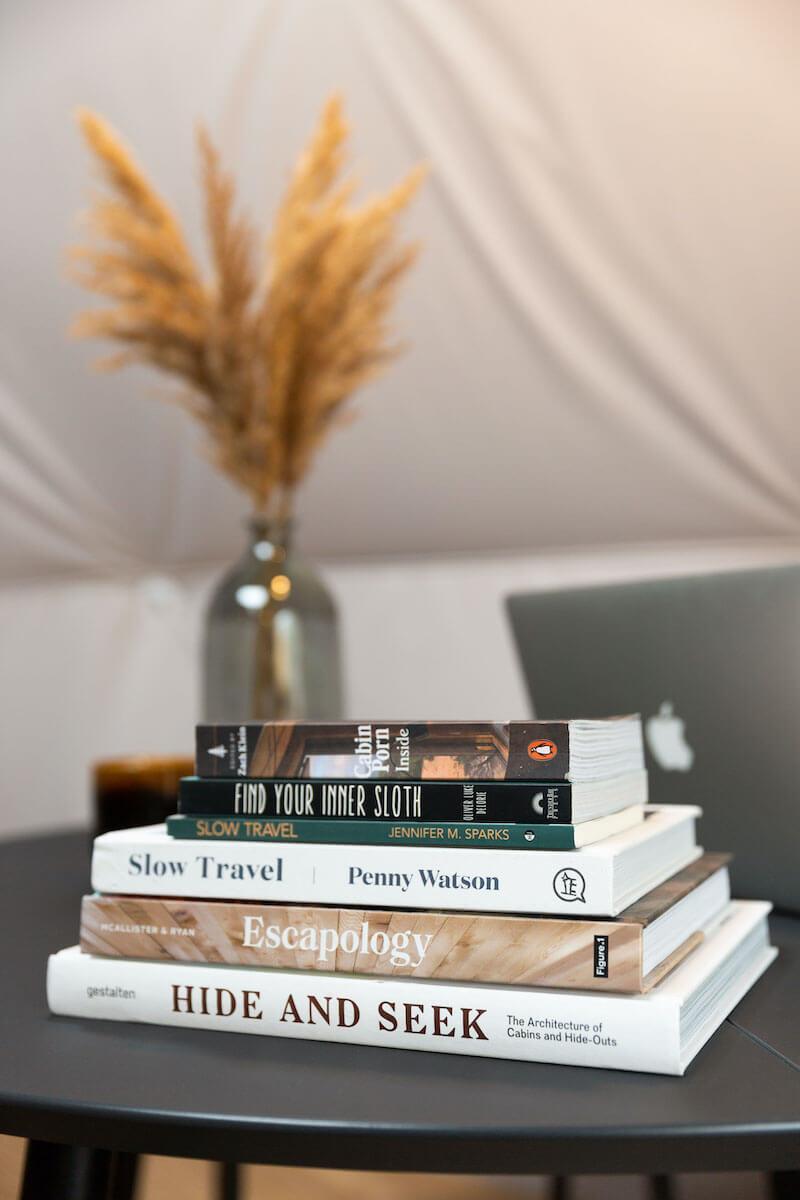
598	880
661	1031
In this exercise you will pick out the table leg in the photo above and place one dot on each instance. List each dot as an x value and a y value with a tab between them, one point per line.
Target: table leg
77	1173
228	1180
123	1178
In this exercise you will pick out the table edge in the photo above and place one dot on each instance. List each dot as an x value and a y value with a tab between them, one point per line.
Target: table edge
465	1150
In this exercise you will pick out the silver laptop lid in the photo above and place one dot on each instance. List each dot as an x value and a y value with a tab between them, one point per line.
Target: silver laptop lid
713	665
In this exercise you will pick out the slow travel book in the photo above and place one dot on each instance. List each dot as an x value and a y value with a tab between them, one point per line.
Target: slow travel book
492	801
481	836
629	954
597	880
660	1031
575	750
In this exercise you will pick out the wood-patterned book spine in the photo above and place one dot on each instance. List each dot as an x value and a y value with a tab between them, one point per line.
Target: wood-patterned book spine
568	1026
477	750
467	947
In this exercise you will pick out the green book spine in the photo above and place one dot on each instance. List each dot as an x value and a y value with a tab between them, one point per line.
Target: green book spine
480	836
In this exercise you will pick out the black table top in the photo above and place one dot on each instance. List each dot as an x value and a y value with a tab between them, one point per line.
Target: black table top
254	1099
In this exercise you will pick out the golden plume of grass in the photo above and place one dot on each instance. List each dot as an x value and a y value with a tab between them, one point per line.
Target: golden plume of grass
272	345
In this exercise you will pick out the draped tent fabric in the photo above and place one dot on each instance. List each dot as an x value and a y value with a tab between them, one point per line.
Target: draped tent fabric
600	332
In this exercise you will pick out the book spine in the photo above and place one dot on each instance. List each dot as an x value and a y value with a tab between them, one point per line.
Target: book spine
474	947
626	1033
532	803
374	833
561	882
536	750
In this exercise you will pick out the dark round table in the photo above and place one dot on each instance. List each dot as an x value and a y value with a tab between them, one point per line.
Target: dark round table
128	1089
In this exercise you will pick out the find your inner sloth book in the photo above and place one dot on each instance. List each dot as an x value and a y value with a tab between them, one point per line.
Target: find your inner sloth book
629	954
529	802
575	750
597	880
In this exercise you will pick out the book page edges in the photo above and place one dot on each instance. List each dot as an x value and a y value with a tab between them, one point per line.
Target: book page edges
678	955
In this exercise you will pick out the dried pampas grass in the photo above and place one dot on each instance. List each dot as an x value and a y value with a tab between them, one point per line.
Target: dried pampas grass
270	353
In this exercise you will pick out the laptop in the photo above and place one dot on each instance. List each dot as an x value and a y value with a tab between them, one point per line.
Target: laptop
713	665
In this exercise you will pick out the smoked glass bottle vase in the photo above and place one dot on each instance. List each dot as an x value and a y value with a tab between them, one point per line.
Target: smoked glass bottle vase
271	648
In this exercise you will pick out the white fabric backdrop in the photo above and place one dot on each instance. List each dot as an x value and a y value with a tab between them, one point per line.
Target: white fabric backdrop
602	344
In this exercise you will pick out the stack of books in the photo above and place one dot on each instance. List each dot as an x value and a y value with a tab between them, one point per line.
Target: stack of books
501	890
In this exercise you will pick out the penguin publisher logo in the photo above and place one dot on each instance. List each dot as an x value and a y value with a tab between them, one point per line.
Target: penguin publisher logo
542	750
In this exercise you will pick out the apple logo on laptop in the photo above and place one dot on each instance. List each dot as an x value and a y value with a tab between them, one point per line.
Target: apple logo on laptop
666	738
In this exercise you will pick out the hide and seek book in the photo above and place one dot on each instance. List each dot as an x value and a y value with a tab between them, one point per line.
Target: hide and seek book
575	750
659	1032
629	954
491	801
598	880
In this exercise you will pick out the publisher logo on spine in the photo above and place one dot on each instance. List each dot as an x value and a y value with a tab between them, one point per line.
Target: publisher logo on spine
601	956
542	750
569	885
538	803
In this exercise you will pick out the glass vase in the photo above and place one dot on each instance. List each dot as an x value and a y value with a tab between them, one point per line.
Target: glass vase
271	647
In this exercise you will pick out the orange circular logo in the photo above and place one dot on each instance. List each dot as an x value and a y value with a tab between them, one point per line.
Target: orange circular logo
542	750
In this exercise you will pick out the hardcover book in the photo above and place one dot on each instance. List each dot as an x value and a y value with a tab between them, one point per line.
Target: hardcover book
660	1031
598	880
479	836
504	802
629	954
577	750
